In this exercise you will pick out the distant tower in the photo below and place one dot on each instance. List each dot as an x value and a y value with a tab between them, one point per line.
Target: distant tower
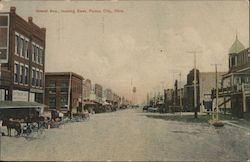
147	98
134	96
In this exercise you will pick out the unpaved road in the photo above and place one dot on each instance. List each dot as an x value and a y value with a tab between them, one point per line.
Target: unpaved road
130	135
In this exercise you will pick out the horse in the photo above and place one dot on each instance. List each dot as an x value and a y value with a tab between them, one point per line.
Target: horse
12	124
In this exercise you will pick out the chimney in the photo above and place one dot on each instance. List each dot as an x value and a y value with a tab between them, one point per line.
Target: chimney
30	19
13	9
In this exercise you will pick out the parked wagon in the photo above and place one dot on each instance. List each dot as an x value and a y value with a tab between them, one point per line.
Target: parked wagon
24	117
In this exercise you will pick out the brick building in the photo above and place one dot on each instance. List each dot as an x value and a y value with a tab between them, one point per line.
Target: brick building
189	92
22	47
63	91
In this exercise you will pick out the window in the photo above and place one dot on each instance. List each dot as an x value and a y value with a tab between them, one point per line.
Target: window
26	75
40	82
64	101
21	74
52	101
37	54
16	69
64	87
22	47
33	77
233	61
16	44
41	59
26	45
52	87
33	52
37	78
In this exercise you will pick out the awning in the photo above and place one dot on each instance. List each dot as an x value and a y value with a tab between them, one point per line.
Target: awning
20	104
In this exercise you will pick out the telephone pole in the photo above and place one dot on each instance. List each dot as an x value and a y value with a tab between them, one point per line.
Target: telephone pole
180	95
217	91
195	83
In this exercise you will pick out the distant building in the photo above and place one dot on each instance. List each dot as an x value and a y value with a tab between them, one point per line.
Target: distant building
189	92
205	83
116	100
87	89
98	93
22	58
168	99
108	95
63	91
236	82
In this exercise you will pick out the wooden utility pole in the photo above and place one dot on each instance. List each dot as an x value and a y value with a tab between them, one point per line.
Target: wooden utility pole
180	95
195	84
217	91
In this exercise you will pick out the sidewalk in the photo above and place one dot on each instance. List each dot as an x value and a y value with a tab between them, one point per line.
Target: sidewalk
237	124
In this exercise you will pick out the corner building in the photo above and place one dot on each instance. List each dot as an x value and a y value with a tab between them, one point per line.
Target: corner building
22	46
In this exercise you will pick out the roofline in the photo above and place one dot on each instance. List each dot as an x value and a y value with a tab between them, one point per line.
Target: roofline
42	29
63	73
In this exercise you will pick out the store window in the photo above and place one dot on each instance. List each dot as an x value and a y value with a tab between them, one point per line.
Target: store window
64	101
52	101
52	87
64	87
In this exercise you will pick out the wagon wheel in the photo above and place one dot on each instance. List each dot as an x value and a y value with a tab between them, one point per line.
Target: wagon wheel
29	132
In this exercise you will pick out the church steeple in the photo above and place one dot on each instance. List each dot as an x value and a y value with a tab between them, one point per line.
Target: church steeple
237	46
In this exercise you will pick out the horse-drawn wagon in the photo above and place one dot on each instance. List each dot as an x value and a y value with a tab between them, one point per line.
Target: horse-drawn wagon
24	117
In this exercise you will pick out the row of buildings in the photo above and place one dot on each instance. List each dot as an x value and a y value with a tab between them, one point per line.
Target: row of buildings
233	88
23	77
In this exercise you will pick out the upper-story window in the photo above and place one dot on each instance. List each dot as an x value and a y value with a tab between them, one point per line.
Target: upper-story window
37	78
37	53
26	48
33	75
26	74
41	79
233	61
21	76
33	52
16	72
17	45
64	86
52	86
41	55
21	45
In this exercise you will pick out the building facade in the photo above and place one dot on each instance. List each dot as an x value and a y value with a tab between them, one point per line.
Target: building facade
87	89
189	92
236	82
206	84
108	95
22	47
98	93
63	91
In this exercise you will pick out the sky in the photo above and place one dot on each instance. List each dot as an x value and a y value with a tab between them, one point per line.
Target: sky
120	44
